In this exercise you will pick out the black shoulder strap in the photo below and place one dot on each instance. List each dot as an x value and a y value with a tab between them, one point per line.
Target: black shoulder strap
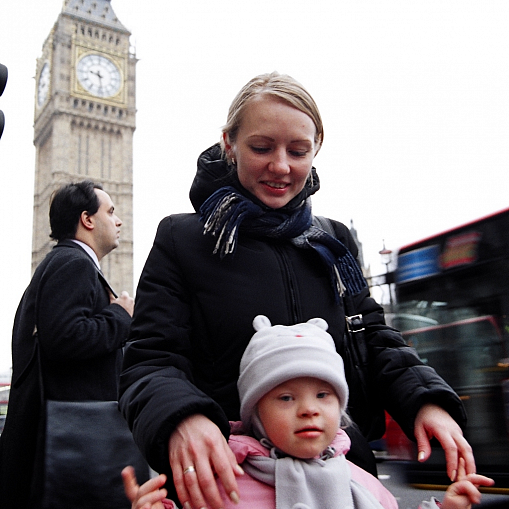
354	322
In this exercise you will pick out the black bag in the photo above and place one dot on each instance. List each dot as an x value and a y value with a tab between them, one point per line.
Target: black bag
87	444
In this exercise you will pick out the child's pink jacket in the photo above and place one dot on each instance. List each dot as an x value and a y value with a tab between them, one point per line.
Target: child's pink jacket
255	494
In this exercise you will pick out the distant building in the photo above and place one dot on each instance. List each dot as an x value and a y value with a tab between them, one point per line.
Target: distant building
365	270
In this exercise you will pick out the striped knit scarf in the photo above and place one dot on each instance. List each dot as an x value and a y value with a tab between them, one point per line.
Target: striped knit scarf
227	211
319	483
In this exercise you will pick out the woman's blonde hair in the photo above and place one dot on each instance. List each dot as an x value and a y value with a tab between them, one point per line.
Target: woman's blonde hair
277	85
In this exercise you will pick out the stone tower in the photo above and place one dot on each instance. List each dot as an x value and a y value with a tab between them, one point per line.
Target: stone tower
84	121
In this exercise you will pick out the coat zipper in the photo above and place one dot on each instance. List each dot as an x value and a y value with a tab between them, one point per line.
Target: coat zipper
289	282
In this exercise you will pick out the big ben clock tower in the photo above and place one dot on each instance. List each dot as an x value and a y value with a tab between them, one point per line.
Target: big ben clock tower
85	120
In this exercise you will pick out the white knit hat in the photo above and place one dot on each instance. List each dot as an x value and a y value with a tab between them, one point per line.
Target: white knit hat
280	353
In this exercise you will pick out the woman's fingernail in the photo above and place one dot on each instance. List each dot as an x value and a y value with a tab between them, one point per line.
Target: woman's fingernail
234	497
420	456
453	476
239	470
187	505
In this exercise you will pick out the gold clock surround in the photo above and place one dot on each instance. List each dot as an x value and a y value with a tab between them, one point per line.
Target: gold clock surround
98	75
93	59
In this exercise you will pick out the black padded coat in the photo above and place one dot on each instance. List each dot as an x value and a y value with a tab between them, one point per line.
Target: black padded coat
193	319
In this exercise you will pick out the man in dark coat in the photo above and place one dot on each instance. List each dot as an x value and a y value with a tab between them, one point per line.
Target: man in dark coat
81	327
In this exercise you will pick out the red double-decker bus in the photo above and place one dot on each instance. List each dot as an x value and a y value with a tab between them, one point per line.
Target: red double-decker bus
452	293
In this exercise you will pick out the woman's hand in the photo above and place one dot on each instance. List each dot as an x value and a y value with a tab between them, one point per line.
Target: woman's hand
434	421
463	493
198	443
148	496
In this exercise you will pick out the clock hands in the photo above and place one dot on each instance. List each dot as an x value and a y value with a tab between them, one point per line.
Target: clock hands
99	75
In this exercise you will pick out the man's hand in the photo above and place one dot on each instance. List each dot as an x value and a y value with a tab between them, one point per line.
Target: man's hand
434	421
198	443
124	300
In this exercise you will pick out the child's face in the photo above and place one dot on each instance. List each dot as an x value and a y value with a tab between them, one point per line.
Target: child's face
301	416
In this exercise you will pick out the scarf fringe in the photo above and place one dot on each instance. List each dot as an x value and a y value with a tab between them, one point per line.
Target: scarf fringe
224	216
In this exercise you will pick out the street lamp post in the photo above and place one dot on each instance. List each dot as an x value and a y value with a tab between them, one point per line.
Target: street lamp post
3	82
385	254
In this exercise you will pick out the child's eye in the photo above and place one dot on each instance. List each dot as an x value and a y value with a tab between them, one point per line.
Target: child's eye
322	394
285	397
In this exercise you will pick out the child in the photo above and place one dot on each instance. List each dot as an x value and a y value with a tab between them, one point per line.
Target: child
293	396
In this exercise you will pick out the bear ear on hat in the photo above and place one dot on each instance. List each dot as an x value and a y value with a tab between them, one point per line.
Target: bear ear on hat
319	322
261	322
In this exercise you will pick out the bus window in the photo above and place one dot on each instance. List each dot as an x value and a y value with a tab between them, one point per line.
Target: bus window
464	353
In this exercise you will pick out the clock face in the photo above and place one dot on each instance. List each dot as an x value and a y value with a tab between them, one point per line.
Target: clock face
43	84
98	75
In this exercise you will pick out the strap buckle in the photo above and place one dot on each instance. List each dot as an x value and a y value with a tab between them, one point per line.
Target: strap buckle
355	323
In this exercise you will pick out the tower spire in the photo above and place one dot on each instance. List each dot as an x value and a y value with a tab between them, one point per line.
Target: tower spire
99	11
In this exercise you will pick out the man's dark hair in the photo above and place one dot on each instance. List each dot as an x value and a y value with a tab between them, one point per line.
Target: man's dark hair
67	204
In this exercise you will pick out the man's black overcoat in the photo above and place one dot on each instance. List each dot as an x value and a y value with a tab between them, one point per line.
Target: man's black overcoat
80	335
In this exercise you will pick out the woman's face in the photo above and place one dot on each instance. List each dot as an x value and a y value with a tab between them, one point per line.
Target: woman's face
274	150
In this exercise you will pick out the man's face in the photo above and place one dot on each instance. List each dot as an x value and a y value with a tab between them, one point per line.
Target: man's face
106	225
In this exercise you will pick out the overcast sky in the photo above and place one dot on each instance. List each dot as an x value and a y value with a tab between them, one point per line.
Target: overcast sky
414	96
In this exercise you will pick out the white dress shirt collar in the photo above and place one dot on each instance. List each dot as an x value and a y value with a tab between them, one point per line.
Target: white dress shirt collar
89	251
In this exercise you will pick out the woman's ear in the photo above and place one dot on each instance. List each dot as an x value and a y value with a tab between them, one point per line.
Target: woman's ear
228	148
